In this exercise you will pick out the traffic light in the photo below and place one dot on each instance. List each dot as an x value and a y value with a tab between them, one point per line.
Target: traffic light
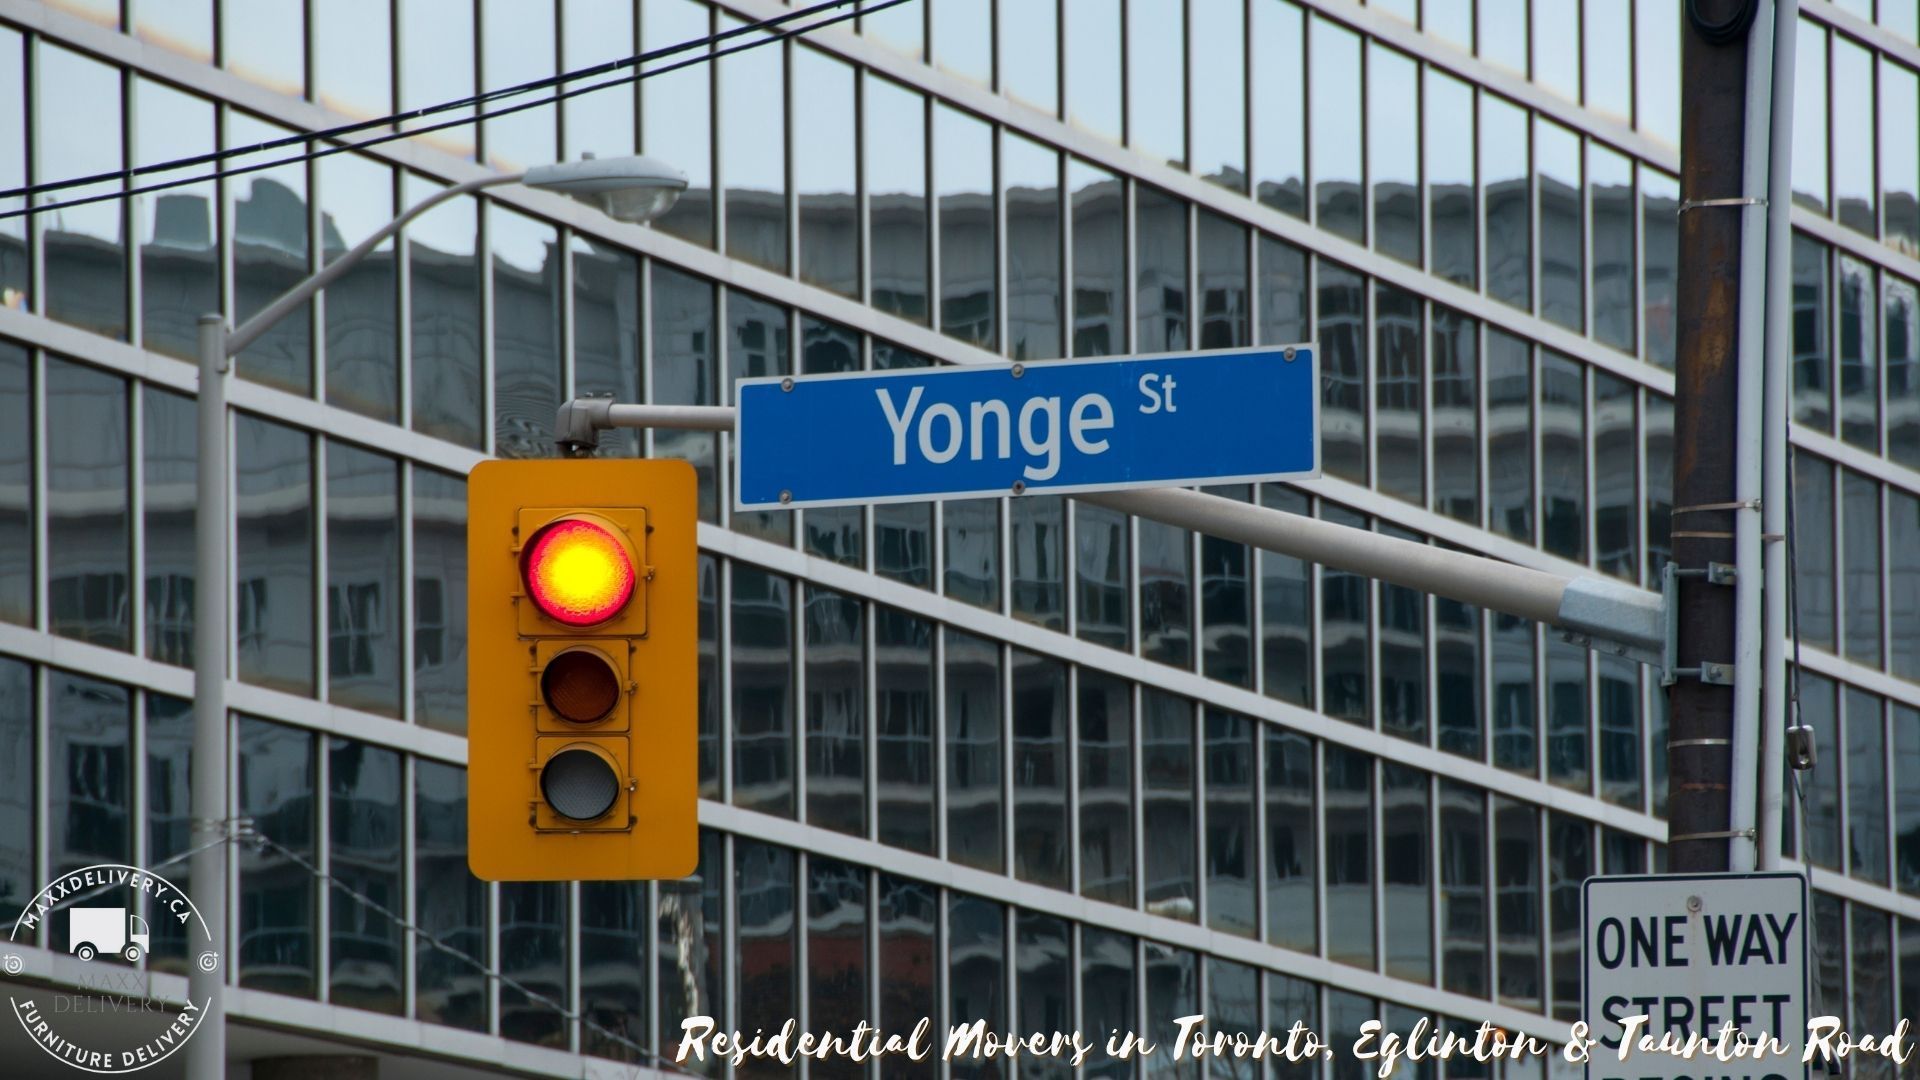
581	680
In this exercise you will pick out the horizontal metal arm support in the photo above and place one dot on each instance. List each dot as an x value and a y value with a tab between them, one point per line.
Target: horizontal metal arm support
1605	614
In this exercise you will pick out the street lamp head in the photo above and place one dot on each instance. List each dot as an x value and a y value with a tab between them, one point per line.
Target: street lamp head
632	189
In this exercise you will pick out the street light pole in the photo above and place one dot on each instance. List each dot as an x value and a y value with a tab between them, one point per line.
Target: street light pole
632	189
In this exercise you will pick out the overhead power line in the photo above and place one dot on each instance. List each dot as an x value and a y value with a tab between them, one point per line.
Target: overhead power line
761	26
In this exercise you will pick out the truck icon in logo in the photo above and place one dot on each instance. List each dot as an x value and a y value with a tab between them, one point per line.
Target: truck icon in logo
95	930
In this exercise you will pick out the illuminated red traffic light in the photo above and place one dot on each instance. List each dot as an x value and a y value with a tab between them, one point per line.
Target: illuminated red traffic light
578	572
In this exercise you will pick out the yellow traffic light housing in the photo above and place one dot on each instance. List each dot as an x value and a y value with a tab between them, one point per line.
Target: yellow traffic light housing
581	682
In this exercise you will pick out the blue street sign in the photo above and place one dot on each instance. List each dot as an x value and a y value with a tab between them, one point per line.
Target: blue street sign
1053	426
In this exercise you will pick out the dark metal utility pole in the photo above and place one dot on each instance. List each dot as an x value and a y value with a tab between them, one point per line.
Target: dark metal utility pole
1713	106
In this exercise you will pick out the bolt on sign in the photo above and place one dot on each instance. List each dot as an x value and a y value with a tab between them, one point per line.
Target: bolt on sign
1693	973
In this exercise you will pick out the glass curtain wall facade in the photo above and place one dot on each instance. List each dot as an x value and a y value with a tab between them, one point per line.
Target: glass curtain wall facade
1021	759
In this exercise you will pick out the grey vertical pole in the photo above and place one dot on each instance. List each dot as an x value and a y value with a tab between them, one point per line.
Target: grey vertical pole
206	1051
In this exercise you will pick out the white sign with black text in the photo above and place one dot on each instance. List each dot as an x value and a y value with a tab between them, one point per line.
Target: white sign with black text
1720	959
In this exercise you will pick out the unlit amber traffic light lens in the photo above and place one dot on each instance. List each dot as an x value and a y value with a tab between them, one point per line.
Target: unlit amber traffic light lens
579	573
579	784
580	685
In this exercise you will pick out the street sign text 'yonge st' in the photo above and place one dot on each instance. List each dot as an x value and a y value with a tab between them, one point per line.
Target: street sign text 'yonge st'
1670	956
1049	426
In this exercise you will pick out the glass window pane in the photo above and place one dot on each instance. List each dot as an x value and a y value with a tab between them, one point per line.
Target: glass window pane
1222	256
1107	995
1605	39
1031	175
1403	648
1510	437
836	711
709	676
452	903
764	944
963	185
909	915
1166	593
179	250
762	653
1610	183
17	802
89	539
1903	584
1160	288
971	536
1620	741
676	115
1899	156
439	600
1866	754
1516	884
1452	216
352	58
963	39
1039	771
1820	843
1226	603
689	950
1343	381
264	43
1853	135
15	269
1506	199
1335	146
1860	573
1100	567
363	580
365	828
1393	152
1156	78
1859	358
1399	394
516	46
1902	338
1515	738
836	976
1279	106
1029	53
78	132
1093	65
1812	386
1810	158
526	332
606	330
1813	520
1659	472
16	484
1286	607
169	428
1345	676
899	28
443	284
1231	846
168	746
903	729
273	554
976	976
974	797
1166	819
753	149
685	371
824	164
1406	884
1037	561
757	346
1291	863
1219	105
1556	46
1456	692
1233	1005
601	123
613	966
1568	761
1656	69
1463	889
1872	968
1616	530
1104	801
896	184
1284	312
1348	814
533	949
1557	157
1563	456
903	542
1569	862
436	38
1455	436
89	772
1660	263
1099	261
1173	990
276	917
1906	800
1292	1001
1043	970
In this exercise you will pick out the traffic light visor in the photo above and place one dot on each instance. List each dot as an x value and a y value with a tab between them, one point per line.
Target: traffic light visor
578	572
